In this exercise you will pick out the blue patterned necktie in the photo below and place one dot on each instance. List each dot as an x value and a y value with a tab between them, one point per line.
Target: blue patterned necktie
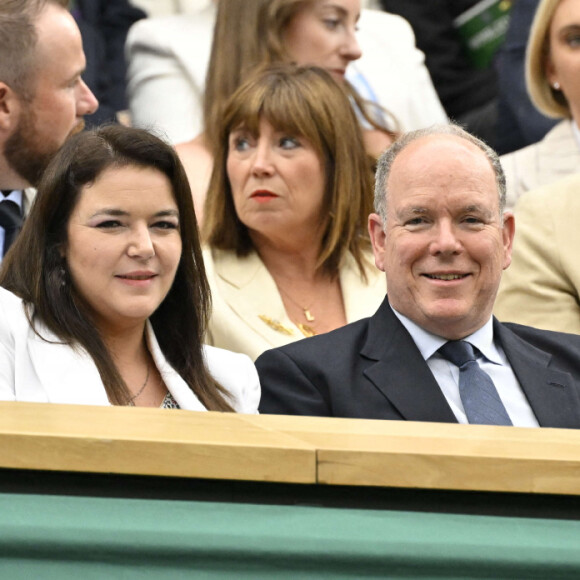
478	393
11	221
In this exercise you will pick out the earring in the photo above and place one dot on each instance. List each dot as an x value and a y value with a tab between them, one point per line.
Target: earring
62	276
556	86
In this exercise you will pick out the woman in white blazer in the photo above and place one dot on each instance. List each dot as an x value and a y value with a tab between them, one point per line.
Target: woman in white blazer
553	84
103	297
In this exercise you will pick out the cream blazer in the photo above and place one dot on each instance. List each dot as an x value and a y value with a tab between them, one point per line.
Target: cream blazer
542	286
556	156
243	290
167	60
29	195
41	370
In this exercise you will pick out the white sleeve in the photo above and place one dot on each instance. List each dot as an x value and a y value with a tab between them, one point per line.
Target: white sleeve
238	375
162	96
8	304
395	68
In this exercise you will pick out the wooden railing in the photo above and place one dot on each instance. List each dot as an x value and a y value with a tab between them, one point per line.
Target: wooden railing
271	448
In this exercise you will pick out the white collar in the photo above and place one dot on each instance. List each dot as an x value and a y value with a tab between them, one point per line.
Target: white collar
429	343
17	196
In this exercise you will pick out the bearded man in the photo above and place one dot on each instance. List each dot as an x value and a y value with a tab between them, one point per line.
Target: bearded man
43	99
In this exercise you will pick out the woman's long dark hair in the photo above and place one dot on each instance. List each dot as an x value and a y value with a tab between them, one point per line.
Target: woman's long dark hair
34	267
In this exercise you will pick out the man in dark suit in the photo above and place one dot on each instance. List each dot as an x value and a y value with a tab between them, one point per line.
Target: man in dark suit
441	236
42	97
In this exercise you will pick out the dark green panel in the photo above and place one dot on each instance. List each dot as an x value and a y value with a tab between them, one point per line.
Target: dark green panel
43	536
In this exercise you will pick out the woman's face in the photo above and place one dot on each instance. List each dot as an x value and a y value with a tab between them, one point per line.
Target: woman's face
277	182
322	33
124	245
563	61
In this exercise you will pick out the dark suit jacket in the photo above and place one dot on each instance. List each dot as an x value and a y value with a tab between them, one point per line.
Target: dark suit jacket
460	86
104	25
372	369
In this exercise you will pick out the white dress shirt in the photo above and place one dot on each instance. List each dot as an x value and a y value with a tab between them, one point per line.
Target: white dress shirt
17	197
491	358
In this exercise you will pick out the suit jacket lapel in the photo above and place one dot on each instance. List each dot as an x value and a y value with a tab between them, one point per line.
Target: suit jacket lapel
181	392
550	392
400	372
250	291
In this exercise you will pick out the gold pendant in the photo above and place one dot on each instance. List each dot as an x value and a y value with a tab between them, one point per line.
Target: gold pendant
308	315
307	330
276	325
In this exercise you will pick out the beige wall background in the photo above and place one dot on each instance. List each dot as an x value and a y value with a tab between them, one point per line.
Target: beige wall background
160	7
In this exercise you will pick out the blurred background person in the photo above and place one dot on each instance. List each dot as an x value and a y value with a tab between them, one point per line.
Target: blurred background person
519	123
468	92
104	25
103	298
168	59
288	254
316	32
542	286
43	99
553	79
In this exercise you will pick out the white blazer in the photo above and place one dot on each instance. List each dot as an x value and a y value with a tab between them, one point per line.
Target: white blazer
43	370
549	160
167	61
394	70
29	195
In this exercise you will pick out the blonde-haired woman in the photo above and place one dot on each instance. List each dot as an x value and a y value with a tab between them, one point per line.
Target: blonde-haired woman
553	80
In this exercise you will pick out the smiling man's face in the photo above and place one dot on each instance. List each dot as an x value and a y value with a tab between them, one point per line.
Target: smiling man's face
444	245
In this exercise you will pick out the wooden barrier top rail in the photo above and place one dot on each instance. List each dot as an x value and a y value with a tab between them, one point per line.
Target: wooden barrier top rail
271	448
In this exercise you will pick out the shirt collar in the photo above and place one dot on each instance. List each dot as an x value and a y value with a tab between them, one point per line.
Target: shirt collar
16	196
429	343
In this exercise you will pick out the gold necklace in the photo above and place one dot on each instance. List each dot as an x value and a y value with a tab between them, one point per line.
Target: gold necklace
130	402
306	309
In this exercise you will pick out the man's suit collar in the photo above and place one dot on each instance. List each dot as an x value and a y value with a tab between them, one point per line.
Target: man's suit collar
400	372
551	393
403	376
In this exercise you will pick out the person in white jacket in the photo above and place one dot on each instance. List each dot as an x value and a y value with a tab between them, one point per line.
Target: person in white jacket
104	298
168	58
389	86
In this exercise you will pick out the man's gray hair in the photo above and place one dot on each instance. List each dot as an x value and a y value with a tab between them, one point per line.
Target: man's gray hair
386	160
